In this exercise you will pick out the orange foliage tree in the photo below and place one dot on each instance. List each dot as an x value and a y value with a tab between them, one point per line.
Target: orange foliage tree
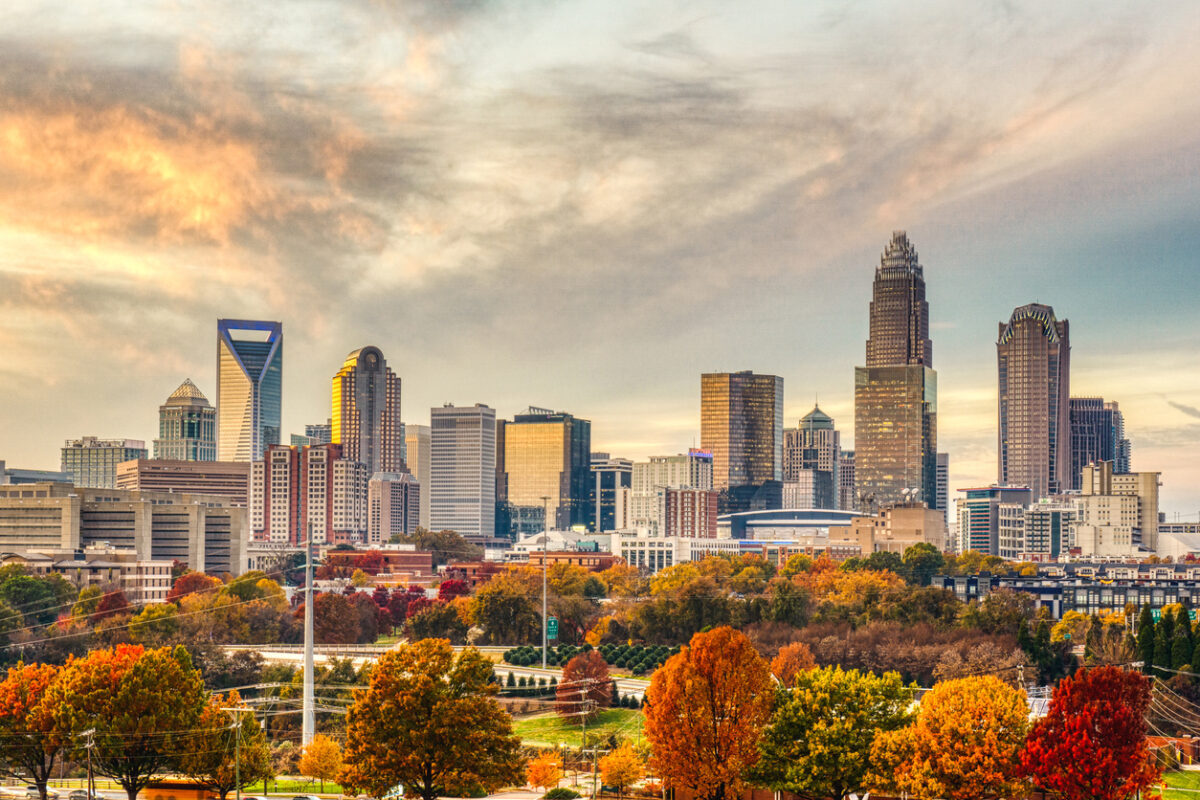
791	661
964	744
29	744
706	709
543	772
621	768
586	686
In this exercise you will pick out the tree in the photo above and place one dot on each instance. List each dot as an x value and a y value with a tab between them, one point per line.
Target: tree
155	625
446	546
229	750
435	620
963	745
923	561
190	583
322	759
818	743
335	620
586	686
504	608
1091	745
29	743
621	768
141	703
543	772
429	720
359	579
792	660
452	588
705	711
1145	638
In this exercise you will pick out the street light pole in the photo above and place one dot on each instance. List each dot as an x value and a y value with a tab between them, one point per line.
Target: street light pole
309	721
545	543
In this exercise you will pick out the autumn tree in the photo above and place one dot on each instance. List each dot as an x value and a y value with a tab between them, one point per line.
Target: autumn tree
142	705
190	583
30	745
228	749
586	686
1091	745
923	561
321	759
429	720
621	768
706	708
504	608
818	743
963	745
543	772
792	660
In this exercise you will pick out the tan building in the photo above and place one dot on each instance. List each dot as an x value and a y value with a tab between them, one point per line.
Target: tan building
230	479
366	412
547	464
741	424
142	582
1100	479
893	530
206	532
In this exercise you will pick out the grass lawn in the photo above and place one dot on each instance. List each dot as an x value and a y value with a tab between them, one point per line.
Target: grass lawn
551	729
1182	781
294	786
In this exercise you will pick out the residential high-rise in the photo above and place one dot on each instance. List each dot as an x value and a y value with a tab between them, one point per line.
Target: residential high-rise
416	439
393	506
942	495
814	447
547	463
895	394
691	470
1034	358
741	424
92	462
979	516
366	412
689	513
462	470
249	387
612	482
295	490
1097	434
1102	480
187	426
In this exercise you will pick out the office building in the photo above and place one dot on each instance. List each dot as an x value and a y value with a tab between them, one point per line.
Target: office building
187	426
893	530
206	533
810	489
547	463
942	491
847	495
691	470
416	439
228	479
13	476
295	490
1097	434
1034	359
92	462
314	433
462	469
1100	480
612	490
979	516
1044	531
741	424
366	412
249	387
814	448
393	501
895	394
689	513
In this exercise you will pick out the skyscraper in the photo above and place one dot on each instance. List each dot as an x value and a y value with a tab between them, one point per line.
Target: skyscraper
366	412
416	438
187	426
741	424
462	469
92	462
295	490
611	492
651	479
895	394
249	387
547	463
1097	434
1034	358
814	447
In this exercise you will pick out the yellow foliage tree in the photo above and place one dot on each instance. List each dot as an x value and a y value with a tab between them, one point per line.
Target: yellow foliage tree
621	768
1074	623
543	772
359	579
322	759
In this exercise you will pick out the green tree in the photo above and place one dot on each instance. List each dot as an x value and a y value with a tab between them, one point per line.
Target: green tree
1162	644
1145	638
430	722
1181	647
506	612
818	743
228	750
155	625
923	561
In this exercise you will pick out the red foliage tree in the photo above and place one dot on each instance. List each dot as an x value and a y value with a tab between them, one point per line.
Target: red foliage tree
419	604
112	603
335	621
1091	745
190	583
586	685
448	590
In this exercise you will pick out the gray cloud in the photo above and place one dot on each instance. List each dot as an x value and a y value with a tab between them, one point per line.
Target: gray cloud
1191	411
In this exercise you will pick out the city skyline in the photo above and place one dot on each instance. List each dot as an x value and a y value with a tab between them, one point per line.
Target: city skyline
464	163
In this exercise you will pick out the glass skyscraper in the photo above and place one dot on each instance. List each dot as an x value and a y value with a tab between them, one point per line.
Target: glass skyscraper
366	412
895	394
1097	434
741	424
92	462
187	426
249	387
462	470
547	463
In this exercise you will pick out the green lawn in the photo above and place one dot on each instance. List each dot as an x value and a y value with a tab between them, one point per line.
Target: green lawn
552	730
1182	781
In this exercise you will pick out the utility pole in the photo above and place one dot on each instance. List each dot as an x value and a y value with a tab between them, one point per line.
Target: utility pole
545	542
236	727
309	717
90	733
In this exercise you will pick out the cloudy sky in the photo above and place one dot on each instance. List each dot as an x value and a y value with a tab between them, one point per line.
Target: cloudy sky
584	205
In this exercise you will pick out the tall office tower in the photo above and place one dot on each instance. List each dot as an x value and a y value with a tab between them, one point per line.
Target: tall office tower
547	464
393	503
462	470
249	387
187	426
1034	357
612	489
92	462
847	495
691	470
895	394
741	424
366	412
295	490
814	446
416	438
979	516
1097	434
942	502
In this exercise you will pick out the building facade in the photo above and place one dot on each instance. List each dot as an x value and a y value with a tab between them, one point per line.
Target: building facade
11	476
92	462
416	439
741	424
1034	361
691	470
612	492
462	469
366	412
689	513
298	490
814	447
229	479
547	463
847	494
1097	434
895	393
1043	531
187	426
893	530
1102	480
979	516
393	506
249	387
942	492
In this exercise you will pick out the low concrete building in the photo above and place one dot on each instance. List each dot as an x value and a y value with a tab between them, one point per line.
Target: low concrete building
143	582
229	479
893	530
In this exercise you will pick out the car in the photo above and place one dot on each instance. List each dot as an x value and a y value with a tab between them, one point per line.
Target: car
82	794
32	793
306	797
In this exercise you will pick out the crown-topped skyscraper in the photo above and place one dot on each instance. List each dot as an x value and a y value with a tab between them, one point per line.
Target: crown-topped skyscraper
895	394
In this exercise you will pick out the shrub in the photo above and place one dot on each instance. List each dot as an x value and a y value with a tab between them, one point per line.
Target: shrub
561	793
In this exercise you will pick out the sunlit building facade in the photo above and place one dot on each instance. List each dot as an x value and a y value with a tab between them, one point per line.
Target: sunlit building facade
812	457
741	424
462	469
547	463
92	461
366	412
1097	434
187	426
612	482
249	387
416	439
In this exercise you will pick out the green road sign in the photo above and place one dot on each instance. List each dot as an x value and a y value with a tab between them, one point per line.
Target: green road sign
552	627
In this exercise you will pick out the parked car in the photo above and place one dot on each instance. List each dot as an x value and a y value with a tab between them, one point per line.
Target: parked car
306	797
82	794
32	793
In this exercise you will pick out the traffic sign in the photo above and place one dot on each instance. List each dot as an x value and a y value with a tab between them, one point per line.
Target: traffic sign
552	627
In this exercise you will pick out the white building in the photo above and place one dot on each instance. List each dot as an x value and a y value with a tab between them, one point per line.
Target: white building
417	443
691	470
393	506
462	470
